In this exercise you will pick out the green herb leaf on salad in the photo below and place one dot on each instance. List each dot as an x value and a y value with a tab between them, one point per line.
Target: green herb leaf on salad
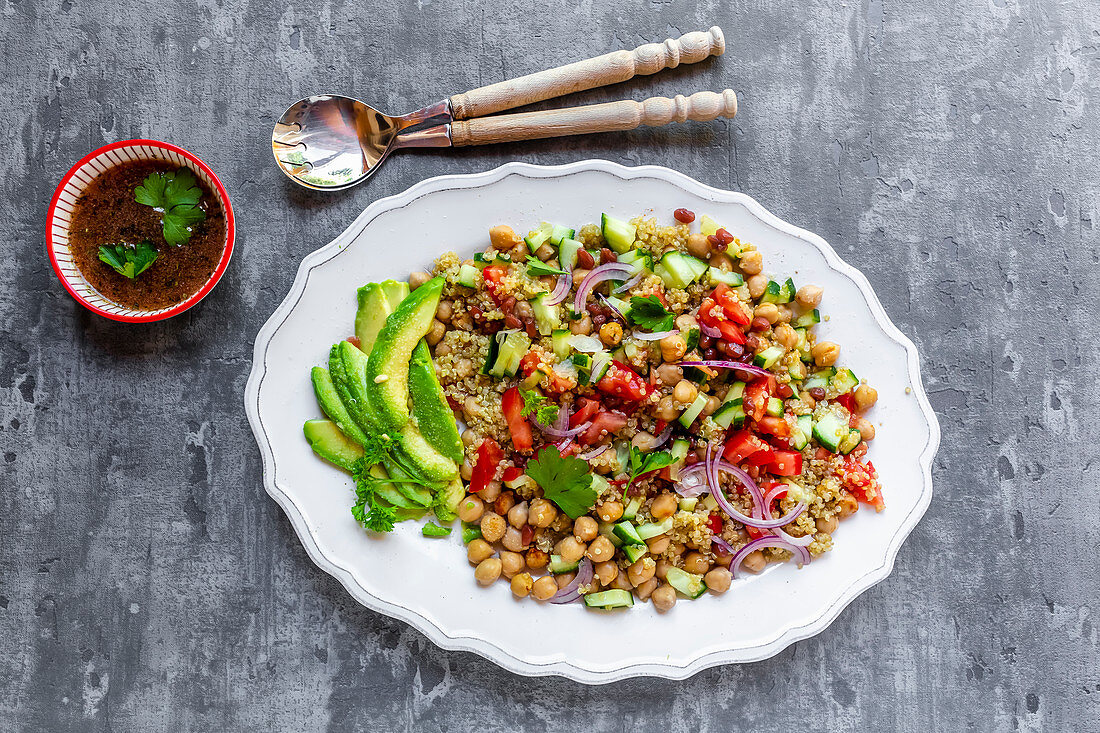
536	404
368	509
648	313
565	481
536	267
431	529
643	463
129	260
176	196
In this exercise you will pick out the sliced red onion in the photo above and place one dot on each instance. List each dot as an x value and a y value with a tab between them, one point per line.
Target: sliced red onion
555	433
564	444
562	421
727	547
801	553
804	540
628	284
693	489
561	290
592	453
571	592
729	365
663	437
608	271
714	333
720	495
655	336
618	313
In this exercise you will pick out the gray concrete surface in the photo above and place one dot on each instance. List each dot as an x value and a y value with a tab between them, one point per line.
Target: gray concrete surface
147	583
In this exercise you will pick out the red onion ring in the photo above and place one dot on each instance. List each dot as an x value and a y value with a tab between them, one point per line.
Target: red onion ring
563	445
655	336
607	271
618	313
801	552
628	284
562	422
720	495
571	592
663	437
727	547
714	333
742	366
555	433
561	290
803	541
690	492
592	453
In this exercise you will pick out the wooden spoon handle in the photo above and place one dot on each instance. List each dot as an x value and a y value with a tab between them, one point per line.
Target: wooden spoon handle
625	115
610	68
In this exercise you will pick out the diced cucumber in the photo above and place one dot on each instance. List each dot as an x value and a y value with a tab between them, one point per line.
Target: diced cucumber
560	341
844	381
768	356
695	374
607	529
805	353
820	378
567	253
601	362
559	566
729	414
736	392
561	233
635	552
800	438
628	533
775	407
637	259
776	293
707	226
690	584
618	234
652	529
468	276
687	504
614	598
632	507
599	484
850	441
693	411
512	348
679	449
618	303
678	270
482	259
491	357
691	338
733	279
807	319
547	317
538	236
830	430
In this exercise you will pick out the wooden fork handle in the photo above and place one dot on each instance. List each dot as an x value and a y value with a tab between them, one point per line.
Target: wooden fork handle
610	68
625	115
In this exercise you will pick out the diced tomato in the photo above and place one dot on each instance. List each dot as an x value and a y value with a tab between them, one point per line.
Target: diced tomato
489	456
776	426
754	533
612	422
755	399
529	363
621	381
716	523
511	405
743	444
861	479
786	463
849	402
660	428
762	457
731	304
586	410
730	332
512	473
493	274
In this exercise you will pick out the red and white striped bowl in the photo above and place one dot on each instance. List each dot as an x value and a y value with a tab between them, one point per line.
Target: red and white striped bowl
60	214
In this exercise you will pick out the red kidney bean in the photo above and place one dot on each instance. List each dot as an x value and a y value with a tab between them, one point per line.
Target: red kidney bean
684	216
760	324
723	236
818	393
585	260
710	354
705	342
784	391
607	255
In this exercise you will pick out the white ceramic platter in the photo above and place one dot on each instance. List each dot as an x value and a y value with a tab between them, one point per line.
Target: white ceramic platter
428	582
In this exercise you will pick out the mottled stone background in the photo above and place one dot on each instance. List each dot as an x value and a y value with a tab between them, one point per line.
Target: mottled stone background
948	149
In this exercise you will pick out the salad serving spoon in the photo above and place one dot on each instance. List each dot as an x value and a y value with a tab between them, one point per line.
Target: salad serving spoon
332	142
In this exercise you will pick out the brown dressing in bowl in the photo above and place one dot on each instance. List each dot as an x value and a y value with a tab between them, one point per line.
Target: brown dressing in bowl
107	213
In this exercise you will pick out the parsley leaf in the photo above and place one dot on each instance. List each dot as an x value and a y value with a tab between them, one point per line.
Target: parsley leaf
176	196
368	509
129	260
648	313
643	463
564	481
431	529
536	267
536	404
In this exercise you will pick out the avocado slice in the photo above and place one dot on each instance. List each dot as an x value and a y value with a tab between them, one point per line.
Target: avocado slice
389	492
447	500
333	406
327	441
414	492
387	374
430	409
376	301
395	292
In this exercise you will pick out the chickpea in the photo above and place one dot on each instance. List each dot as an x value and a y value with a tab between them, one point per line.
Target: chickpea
478	550
669	374
466	471
544	588
785	313
582	326
442	349
752	262
641	571
722	261
470	509
601	549
579	274
611	333
807	399
562	524
663	506
825	353
504	503
606	571
699	246
718	580
491	492
571	549
661	571
492	526
673	347
865	397
487	571
866	429
713	403
418	278
542	513
537	559
585	529
503	237
664	598
471	409
645	590
513	540
470	438
667	409
643	441
768	311
754	562
658	544
435	333
564	579
518	252
696	562
786	335
685	392
846	505
809	296
610	511
545	251
511	563
827	525
444	311
523	310
757	285
517	515
521	585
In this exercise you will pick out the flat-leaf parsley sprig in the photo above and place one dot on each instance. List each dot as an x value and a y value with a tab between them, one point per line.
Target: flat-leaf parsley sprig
129	260
566	481
176	196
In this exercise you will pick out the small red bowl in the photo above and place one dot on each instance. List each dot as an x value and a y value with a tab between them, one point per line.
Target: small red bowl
72	186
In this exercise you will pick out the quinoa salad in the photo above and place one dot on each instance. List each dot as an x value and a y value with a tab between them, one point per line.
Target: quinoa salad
633	410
